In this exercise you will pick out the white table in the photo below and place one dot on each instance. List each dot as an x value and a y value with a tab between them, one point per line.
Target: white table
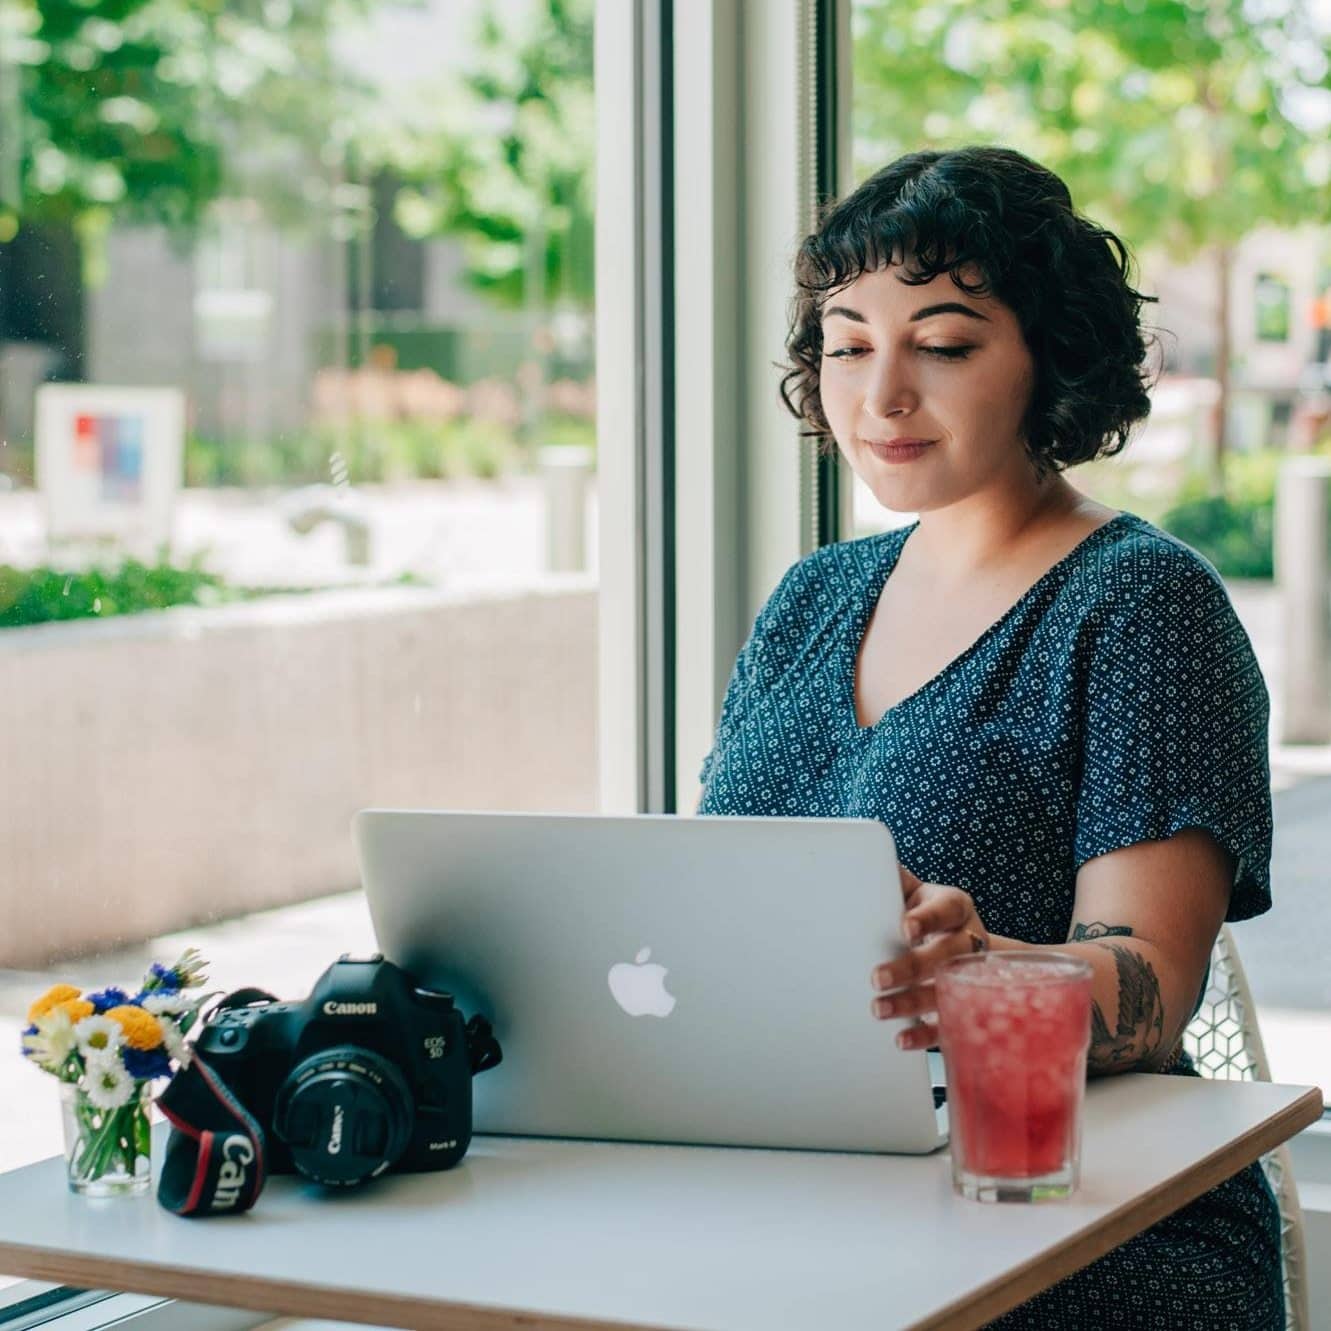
586	1234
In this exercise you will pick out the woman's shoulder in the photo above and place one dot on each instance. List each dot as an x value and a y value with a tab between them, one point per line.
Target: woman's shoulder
829	573
1148	597
1144	571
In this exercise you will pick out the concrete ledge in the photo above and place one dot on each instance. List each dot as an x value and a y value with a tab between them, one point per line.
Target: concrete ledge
166	769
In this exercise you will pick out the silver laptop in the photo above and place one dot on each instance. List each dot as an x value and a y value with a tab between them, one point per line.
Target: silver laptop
661	978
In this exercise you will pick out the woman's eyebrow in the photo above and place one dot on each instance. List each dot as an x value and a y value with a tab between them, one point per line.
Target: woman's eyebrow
947	307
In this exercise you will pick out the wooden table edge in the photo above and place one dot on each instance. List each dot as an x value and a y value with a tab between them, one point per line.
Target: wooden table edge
286	1298
1072	1254
297	1299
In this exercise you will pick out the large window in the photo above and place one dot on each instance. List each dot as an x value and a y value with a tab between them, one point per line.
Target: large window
1119	107
297	510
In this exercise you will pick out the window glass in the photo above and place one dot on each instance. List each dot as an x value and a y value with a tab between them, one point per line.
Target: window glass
1137	109
297	401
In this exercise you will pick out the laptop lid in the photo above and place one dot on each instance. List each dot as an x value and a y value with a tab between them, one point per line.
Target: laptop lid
661	978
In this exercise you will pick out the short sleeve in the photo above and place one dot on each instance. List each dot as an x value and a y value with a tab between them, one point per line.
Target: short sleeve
1176	732
745	671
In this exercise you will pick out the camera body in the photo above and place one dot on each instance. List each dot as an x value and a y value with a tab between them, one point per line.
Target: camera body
369	1074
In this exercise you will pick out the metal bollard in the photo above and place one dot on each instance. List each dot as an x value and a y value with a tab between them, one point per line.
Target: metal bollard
1303	574
565	470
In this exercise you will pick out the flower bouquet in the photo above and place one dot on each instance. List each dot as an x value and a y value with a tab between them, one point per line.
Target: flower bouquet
107	1048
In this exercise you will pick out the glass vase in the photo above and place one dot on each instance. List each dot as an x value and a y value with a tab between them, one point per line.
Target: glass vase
108	1152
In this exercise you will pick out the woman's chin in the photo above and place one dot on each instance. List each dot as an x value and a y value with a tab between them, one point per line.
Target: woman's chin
898	496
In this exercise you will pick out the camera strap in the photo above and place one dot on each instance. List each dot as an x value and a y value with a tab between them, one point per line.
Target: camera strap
215	1153
483	1051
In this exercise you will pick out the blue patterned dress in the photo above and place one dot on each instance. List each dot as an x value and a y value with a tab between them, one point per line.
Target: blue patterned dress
1117	702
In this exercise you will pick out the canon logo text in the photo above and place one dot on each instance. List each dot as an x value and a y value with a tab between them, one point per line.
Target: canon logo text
237	1157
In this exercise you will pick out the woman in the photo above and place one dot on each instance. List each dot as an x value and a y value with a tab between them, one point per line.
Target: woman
1050	703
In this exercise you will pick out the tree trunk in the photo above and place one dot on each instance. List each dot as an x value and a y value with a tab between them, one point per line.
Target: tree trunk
1224	264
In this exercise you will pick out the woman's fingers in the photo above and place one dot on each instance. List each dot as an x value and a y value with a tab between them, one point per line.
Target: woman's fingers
923	1035
910	885
911	1002
919	963
941	910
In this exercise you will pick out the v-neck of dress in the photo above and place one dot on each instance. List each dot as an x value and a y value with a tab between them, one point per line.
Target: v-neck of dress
870	595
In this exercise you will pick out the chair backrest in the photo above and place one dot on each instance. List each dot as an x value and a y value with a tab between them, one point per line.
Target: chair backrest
1225	1043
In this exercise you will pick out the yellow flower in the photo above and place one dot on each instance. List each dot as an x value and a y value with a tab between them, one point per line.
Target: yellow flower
77	1008
142	1030
60	993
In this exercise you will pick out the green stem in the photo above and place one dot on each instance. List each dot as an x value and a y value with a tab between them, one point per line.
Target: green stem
122	1133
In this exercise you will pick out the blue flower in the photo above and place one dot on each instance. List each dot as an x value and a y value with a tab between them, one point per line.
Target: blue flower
28	1030
105	999
168	979
145	1066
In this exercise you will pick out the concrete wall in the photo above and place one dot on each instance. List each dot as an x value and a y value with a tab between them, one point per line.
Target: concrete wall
165	769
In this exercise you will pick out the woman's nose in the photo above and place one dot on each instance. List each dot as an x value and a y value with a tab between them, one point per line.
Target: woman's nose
890	390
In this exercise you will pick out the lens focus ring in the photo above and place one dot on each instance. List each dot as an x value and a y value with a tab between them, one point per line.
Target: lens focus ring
346	1113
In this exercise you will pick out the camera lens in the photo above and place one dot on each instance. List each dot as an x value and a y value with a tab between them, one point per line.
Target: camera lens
346	1114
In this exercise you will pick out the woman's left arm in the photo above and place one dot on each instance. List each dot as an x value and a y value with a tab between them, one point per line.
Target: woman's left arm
1145	917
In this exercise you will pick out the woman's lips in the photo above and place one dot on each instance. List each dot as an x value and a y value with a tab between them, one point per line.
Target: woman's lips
901	452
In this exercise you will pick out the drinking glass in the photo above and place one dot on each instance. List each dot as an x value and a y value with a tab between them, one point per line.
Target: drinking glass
1015	1028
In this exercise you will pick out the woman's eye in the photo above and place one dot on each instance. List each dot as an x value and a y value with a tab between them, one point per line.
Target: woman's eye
943	353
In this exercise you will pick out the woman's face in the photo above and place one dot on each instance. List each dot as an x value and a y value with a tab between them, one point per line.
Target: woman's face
929	364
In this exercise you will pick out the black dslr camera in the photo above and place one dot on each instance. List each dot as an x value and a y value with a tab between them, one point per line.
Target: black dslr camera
370	1074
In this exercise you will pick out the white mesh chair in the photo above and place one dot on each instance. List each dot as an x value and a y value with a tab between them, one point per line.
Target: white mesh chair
1225	1043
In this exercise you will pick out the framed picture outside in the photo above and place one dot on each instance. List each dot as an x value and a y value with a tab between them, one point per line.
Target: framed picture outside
109	464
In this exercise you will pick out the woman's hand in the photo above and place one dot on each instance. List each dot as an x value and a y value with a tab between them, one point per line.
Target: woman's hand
939	923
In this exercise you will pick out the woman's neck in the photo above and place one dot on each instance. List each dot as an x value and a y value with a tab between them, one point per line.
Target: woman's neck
973	534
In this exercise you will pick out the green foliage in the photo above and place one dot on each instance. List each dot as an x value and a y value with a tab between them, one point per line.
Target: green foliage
366	452
561	430
133	108
1235	530
504	157
1167	118
40	595
1237	536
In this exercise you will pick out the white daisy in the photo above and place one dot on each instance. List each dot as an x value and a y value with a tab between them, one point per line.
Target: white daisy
53	1041
98	1035
174	1040
166	1005
107	1083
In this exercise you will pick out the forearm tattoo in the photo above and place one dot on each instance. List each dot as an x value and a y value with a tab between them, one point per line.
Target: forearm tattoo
1082	933
1139	1031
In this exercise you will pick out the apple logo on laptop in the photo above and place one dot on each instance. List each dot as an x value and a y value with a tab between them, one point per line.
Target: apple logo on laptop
639	987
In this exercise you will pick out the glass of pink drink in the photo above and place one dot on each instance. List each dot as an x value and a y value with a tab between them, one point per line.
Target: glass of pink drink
1014	1029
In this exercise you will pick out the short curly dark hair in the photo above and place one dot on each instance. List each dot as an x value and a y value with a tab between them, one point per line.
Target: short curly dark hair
999	214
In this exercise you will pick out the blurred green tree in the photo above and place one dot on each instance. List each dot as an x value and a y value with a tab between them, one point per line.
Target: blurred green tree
503	161
1181	124
147	109
504	158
